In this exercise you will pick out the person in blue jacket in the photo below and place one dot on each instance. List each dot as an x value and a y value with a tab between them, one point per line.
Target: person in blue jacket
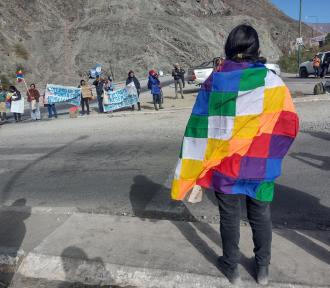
154	87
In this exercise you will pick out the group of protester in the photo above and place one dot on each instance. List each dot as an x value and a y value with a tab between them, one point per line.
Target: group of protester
12	100
320	69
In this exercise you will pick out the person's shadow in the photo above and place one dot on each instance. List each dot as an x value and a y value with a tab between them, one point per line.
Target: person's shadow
12	233
142	193
299	209
73	259
309	159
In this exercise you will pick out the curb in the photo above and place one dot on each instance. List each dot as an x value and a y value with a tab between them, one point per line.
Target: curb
94	272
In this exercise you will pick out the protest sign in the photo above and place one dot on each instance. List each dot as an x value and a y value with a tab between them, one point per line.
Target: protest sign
59	94
121	98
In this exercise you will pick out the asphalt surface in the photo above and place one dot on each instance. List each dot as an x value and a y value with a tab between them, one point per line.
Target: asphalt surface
124	164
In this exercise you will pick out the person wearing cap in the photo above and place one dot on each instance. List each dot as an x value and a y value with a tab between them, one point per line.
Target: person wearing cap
154	86
132	79
178	74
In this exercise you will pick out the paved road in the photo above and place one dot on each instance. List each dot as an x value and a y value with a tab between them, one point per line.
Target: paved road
123	165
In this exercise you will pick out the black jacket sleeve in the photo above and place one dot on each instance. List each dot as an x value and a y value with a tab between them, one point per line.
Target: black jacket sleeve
137	84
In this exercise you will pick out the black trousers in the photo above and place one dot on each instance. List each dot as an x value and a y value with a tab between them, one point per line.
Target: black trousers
83	102
100	102
3	116
18	117
260	221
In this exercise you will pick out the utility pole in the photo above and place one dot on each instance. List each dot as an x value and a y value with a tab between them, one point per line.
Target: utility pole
299	46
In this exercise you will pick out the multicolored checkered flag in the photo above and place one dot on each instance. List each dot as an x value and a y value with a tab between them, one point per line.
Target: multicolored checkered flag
241	127
19	76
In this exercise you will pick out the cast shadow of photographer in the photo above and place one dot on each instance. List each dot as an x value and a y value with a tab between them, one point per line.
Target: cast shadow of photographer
12	233
73	259
299	209
144	190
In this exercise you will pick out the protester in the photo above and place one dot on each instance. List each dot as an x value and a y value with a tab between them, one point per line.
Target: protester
99	83
108	84
86	95
132	79
17	103
178	74
316	65
218	64
325	66
235	145
33	97
154	86
3	108
183	72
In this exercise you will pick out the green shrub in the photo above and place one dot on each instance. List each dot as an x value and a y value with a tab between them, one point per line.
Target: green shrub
5	82
327	39
289	63
21	51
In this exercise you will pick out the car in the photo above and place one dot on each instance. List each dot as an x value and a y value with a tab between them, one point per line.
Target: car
197	75
306	68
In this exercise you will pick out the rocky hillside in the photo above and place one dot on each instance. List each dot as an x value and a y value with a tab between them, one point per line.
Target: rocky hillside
323	28
56	40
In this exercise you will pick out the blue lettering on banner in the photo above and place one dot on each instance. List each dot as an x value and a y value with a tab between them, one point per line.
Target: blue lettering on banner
120	99
60	94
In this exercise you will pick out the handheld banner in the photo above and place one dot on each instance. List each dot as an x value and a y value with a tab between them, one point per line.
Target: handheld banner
119	99
59	94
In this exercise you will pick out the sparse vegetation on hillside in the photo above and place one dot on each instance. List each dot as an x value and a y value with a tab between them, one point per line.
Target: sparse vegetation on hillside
139	35
289	63
21	51
5	80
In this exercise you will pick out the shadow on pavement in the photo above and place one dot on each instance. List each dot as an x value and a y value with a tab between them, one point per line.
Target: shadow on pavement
12	233
309	159
11	180
73	259
142	192
318	134
292	208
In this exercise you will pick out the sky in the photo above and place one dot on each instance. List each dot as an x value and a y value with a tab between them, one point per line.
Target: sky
315	11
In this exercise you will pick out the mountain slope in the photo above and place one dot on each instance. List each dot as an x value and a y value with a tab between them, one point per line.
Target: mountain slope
55	41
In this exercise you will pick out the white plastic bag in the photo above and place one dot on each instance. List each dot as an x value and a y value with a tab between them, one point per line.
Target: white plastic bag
196	194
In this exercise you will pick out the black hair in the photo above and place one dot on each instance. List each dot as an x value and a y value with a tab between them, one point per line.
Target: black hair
81	81
131	71
12	88
243	45
34	85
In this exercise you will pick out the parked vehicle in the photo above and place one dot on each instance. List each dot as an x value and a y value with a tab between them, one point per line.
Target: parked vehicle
306	68
197	75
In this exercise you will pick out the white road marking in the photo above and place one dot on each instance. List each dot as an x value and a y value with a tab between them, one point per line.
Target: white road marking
20	157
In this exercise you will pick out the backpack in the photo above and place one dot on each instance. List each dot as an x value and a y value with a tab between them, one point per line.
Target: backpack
319	89
149	85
